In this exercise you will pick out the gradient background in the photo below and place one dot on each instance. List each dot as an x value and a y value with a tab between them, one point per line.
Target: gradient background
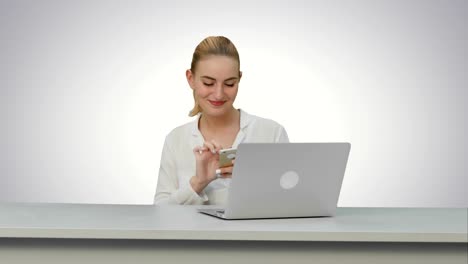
90	89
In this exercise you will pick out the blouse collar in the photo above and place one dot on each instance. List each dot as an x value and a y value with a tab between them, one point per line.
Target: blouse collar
245	119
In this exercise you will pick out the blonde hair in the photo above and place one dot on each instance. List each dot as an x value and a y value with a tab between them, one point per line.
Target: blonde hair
214	45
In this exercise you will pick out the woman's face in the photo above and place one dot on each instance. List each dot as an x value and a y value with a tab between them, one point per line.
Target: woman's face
215	83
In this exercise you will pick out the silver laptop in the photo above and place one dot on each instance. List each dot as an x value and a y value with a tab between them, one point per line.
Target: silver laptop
280	180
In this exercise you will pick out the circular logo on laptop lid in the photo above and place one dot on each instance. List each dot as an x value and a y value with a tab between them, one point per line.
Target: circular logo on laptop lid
289	180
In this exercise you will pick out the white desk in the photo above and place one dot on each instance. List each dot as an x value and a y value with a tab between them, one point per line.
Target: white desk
70	233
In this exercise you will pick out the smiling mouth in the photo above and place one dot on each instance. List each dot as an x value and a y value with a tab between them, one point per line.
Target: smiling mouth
217	103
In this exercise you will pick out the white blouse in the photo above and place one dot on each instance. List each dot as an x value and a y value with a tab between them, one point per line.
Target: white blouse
178	161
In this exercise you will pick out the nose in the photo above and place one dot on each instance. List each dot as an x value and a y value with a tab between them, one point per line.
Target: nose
219	92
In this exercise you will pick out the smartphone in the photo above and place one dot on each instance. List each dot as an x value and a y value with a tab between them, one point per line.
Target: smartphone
226	156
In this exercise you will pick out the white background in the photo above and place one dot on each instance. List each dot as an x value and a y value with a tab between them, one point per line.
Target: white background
90	89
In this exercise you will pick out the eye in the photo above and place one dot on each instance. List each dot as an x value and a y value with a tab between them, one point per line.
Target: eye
208	84
229	84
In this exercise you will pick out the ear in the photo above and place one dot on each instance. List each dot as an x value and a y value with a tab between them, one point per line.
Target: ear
240	75
190	78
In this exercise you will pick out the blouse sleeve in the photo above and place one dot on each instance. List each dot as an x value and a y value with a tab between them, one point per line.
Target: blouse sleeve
281	135
167	190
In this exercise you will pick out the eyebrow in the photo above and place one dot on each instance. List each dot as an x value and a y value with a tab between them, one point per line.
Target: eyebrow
211	78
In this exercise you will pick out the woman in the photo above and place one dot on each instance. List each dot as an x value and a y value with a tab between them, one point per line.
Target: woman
189	171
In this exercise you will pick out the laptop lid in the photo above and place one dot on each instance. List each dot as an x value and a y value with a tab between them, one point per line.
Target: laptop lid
272	180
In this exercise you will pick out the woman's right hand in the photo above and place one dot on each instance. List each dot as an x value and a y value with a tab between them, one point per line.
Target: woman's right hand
207	162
